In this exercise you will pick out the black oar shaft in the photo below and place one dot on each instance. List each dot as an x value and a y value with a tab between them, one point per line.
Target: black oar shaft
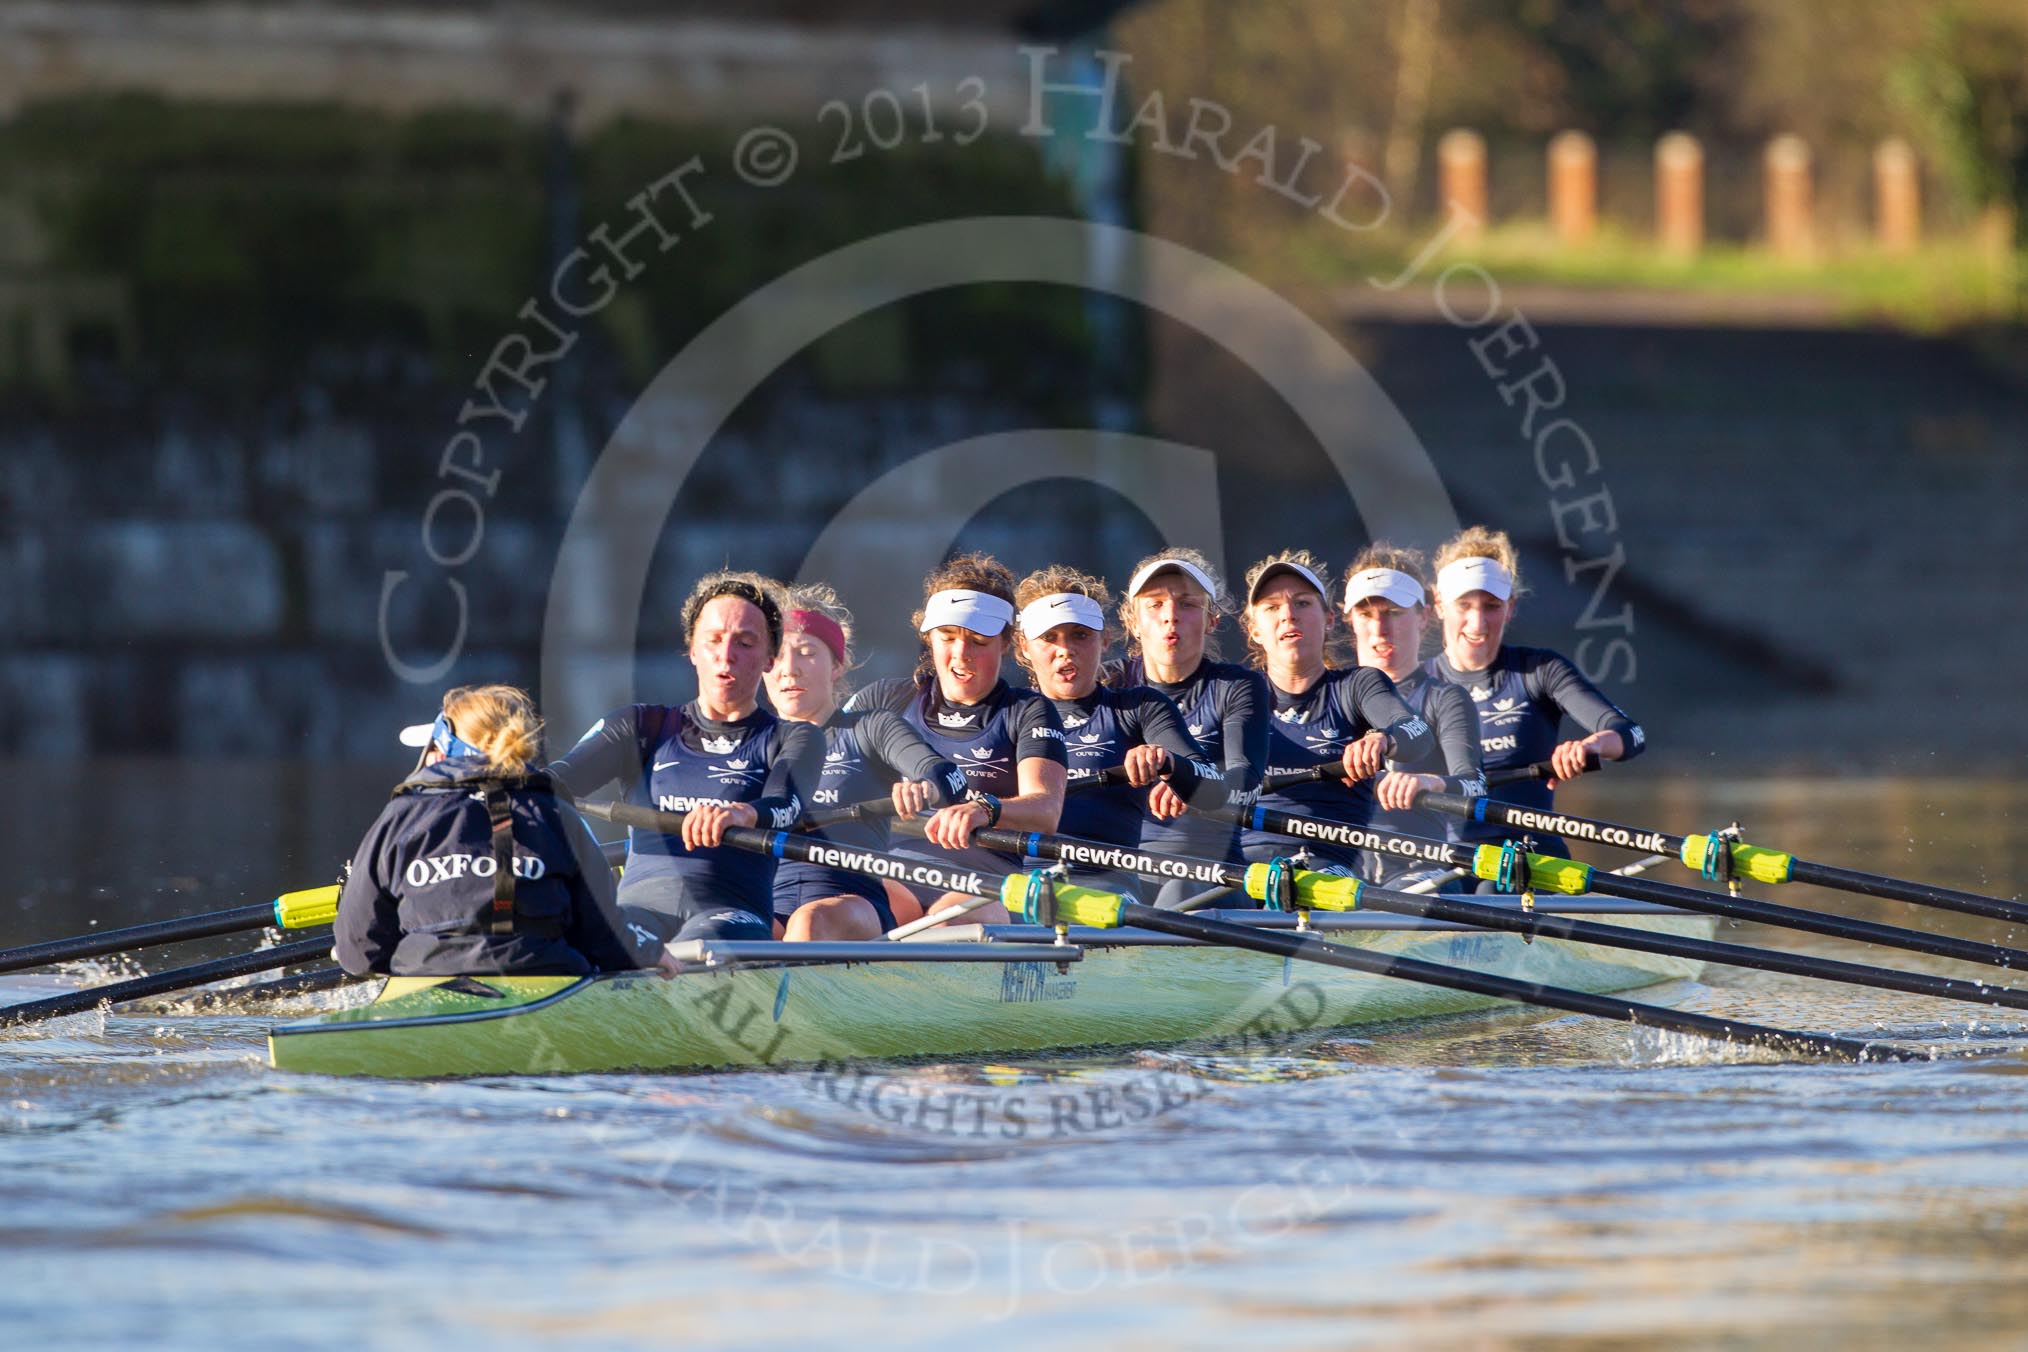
281	988
1397	845
1897	889
1283	943
1070	850
785	845
137	936
1817	922
1661	842
1573	930
1099	855
181	978
1335	770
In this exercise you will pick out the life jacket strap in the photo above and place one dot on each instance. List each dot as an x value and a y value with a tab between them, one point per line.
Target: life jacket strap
500	810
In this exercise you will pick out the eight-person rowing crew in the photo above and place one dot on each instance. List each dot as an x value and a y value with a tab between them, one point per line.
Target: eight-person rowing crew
477	867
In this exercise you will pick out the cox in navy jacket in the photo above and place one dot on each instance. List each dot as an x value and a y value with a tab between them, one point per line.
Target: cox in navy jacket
420	897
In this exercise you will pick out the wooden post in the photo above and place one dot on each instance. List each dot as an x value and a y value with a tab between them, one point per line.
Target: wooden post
1461	179
1787	171
1573	187
1897	196
1679	194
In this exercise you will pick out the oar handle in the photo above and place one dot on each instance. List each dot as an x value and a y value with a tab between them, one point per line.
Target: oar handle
1113	776
1335	770
848	812
752	839
1097	854
1540	770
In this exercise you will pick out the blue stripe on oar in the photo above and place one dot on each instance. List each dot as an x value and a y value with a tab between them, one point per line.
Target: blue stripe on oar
1478	809
778	844
1031	844
1259	818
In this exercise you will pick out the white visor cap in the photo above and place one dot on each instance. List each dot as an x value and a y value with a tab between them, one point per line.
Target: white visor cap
1183	566
1475	574
981	612
1268	574
1044	613
417	734
1391	583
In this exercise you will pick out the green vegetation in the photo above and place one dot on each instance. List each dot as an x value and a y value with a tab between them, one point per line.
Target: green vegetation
248	238
1945	284
1380	82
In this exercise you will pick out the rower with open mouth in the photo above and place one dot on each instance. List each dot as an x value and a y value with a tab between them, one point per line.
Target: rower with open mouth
1323	714
1062	642
865	755
1522	694
1386	607
722	760
1175	600
1007	740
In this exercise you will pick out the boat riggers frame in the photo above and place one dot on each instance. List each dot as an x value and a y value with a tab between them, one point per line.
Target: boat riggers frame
1547	873
1282	886
1042	898
1718	857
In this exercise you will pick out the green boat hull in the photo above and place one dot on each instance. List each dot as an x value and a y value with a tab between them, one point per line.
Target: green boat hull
1139	994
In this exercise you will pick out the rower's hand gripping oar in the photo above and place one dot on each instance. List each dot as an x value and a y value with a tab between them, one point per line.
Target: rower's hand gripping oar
1281	886
1721	858
871	808
1334	771
1039	898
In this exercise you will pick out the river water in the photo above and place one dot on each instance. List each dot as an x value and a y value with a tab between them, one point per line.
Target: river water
1512	1180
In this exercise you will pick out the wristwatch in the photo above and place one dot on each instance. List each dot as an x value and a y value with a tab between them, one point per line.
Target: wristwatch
992	806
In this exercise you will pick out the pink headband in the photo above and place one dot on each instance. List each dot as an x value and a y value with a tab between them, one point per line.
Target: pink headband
823	626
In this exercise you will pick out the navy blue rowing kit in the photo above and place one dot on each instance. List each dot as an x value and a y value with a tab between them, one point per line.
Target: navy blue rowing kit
1225	710
1522	700
1449	713
674	760
1314	728
865	755
1098	732
427	897
987	740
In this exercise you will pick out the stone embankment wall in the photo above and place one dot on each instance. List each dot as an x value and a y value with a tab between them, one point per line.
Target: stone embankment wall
177	583
1819	534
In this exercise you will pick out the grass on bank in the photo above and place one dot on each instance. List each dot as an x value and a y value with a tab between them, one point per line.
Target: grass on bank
1948	282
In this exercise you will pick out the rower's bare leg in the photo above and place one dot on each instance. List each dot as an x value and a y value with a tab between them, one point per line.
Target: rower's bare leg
992	913
834	919
904	903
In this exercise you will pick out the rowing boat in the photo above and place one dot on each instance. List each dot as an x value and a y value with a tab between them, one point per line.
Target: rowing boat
963	991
